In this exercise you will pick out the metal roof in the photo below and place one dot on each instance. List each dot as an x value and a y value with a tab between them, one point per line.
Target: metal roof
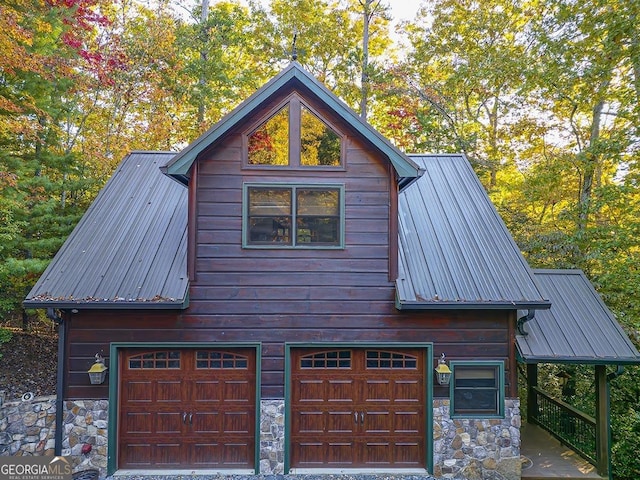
454	249
294	74
579	328
129	250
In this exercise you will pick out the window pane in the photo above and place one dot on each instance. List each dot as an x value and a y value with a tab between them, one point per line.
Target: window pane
476	401
319	144
270	230
269	215
318	216
476	390
317	230
318	202
269	201
269	143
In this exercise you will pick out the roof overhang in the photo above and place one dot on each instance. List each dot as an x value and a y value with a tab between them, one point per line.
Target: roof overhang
566	360
294	74
466	305
108	305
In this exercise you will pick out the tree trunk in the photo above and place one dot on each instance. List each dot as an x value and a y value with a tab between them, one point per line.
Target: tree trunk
590	167
204	16
364	79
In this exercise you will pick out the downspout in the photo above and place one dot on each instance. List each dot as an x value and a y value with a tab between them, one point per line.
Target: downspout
611	376
522	320
51	314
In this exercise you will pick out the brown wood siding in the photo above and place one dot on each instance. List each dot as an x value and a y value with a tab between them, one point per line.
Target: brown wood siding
274	296
482	335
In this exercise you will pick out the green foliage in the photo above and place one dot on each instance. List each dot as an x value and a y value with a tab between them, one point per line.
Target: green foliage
625	432
5	337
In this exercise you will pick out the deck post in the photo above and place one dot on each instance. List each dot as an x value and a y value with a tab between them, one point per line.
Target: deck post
532	397
602	420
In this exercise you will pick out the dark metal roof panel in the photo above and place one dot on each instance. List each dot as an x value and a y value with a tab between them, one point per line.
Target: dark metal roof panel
455	251
128	249
578	328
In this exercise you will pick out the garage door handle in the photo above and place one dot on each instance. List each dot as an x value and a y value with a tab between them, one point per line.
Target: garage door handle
355	417
361	418
184	417
191	419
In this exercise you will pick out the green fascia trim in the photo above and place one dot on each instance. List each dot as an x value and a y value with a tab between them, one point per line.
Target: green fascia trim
501	386
428	346
489	305
180	165
578	361
112	436
90	305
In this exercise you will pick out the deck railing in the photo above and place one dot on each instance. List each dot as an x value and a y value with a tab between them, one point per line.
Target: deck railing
569	425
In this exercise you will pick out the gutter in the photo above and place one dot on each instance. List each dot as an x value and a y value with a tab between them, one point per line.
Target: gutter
51	314
522	320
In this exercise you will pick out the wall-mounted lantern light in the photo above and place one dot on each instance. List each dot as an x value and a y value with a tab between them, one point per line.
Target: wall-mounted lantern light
98	371
443	373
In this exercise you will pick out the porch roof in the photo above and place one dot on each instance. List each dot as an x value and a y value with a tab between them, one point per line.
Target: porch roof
579	328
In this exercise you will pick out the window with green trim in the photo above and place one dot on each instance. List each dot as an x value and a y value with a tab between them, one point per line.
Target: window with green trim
294	136
302	216
477	389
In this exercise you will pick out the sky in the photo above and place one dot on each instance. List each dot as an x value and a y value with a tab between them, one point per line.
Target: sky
404	9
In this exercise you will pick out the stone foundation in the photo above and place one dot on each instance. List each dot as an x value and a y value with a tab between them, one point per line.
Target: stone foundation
85	429
28	427
272	437
483	449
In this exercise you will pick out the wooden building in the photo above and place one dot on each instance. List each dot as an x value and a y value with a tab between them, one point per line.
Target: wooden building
292	260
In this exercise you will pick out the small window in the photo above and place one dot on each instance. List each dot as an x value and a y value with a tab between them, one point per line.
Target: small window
220	360
294	136
301	216
155	360
269	143
333	359
477	389
383	360
319	144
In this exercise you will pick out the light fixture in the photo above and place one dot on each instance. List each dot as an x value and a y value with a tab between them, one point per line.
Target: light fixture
443	373
98	371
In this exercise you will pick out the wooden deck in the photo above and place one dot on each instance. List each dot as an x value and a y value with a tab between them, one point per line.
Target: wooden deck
546	458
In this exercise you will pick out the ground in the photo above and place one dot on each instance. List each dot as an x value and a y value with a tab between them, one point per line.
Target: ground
29	364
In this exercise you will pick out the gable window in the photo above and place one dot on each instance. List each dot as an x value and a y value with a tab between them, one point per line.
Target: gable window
294	136
302	216
477	389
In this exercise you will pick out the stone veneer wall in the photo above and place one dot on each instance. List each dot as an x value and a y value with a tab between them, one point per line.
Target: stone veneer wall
85	426
272	437
482	449
27	427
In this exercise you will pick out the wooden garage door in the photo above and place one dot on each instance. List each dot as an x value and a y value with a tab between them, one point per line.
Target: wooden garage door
187	408
354	408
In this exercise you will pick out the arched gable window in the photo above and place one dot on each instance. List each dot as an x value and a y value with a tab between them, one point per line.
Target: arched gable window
294	136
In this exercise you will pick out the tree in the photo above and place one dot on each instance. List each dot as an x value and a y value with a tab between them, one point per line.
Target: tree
467	67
